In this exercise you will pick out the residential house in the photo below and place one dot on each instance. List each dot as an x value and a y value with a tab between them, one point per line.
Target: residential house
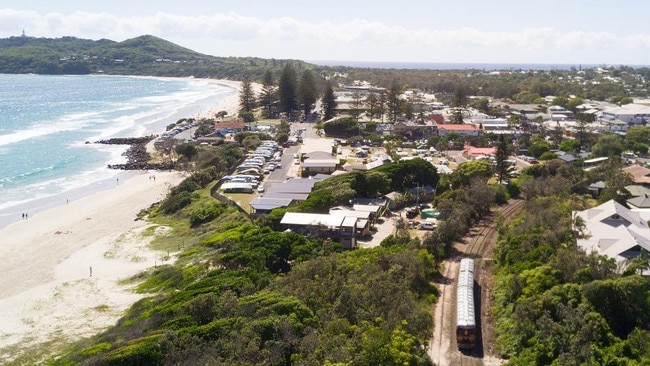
376	206
491	124
423	193
640	174
470	152
319	162
640	203
559	113
615	231
596	188
633	114
461	129
415	131
264	205
336	227
363	219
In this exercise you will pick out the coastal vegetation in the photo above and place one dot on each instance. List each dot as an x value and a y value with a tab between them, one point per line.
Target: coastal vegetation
244	291
555	304
145	55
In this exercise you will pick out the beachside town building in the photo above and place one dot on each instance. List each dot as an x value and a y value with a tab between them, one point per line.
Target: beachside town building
633	114
461	129
615	231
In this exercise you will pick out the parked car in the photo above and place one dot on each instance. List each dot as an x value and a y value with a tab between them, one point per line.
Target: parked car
412	213
260	189
426	225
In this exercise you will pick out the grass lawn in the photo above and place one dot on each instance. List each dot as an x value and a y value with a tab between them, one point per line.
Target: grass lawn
244	199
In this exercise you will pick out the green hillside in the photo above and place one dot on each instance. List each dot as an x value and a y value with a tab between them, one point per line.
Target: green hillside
144	55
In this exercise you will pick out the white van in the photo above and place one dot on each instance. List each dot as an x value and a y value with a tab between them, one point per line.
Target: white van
426	225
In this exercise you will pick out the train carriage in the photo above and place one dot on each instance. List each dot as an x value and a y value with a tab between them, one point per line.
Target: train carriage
465	317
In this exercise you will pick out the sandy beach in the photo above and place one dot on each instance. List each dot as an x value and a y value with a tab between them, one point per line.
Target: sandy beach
61	268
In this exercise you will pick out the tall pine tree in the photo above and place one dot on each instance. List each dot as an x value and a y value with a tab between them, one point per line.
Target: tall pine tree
307	92
501	159
328	102
287	89
393	101
246	100
267	94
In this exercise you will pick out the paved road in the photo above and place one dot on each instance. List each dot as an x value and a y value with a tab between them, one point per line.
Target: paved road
285	171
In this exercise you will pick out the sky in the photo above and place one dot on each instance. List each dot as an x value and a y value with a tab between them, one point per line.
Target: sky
464	31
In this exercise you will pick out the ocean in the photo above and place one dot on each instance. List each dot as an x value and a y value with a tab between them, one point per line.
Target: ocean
460	65
45	122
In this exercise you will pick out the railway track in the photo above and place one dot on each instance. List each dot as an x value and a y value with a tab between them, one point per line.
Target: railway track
479	244
487	231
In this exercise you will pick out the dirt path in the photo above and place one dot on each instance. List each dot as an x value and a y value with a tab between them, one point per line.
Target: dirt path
479	243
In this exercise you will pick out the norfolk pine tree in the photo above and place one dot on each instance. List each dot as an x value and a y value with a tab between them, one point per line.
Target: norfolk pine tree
287	89
267	94
393	101
328	102
307	94
502	154
246	100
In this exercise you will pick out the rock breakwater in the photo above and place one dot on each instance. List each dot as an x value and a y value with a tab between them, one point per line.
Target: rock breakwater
136	155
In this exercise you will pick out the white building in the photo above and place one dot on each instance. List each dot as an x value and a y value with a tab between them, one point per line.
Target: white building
634	114
615	231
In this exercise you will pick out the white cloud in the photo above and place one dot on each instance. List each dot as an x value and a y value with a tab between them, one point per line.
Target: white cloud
228	34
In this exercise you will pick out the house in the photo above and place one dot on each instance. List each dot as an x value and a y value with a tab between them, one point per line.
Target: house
559	113
337	227
461	129
394	200
491	124
414	130
596	188
365	167
567	158
264	205
230	126
471	152
377	206
639	203
633	114
319	162
363	219
423	193
615	231
640	174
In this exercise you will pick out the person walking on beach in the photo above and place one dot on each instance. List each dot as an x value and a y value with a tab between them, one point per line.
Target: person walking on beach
91	271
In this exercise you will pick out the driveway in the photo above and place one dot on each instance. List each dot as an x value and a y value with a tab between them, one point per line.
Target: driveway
384	227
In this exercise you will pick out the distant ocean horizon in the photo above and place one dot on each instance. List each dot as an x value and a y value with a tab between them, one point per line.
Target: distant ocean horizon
45	122
463	66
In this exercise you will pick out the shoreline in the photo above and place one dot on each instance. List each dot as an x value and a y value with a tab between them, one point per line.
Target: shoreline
47	291
48	297
203	107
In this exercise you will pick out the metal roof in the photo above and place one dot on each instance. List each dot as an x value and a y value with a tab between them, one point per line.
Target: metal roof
465	307
269	203
465	316
311	219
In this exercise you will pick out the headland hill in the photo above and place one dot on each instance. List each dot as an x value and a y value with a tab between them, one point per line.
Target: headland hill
148	55
234	286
